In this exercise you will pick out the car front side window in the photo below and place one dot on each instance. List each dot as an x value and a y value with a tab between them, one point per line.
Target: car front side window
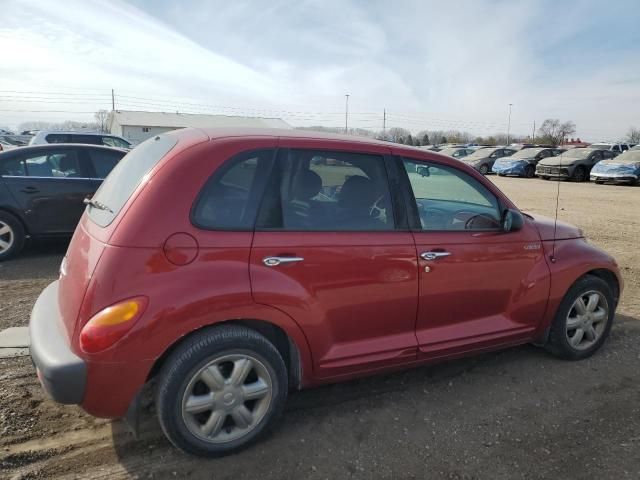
451	200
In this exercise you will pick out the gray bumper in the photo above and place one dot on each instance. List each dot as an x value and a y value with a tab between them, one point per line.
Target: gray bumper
61	372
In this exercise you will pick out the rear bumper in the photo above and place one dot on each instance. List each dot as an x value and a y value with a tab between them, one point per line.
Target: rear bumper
62	373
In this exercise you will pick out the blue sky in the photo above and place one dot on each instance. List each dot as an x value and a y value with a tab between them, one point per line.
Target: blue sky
434	65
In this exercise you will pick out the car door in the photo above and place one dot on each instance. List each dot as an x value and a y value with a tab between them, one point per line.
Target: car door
52	192
479	287
330	251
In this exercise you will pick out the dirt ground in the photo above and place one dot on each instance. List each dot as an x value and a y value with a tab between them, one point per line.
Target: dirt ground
518	413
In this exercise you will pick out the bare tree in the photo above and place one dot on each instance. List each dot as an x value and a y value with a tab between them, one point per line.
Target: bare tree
633	135
101	117
554	132
396	134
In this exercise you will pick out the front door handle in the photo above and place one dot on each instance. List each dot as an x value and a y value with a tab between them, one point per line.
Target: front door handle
29	190
275	261
433	255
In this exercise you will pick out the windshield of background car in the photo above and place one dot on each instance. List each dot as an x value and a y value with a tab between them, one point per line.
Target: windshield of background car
526	153
577	153
482	153
126	176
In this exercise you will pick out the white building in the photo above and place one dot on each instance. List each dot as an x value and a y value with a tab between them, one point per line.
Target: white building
138	126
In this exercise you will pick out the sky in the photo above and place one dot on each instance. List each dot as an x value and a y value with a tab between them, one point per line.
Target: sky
430	64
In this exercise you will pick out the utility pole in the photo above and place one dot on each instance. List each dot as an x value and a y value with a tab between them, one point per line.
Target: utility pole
533	134
384	124
346	115
113	101
509	125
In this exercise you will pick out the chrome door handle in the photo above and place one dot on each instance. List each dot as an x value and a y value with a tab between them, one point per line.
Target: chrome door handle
433	255
275	261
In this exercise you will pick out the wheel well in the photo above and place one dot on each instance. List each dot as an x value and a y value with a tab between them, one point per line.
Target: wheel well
610	278
276	335
17	217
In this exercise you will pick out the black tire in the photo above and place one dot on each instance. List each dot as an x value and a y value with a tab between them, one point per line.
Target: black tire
501	175
599	182
484	169
189	358
529	171
15	235
558	343
544	178
580	174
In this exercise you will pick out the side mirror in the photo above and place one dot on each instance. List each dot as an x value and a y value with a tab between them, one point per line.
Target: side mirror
423	171
512	221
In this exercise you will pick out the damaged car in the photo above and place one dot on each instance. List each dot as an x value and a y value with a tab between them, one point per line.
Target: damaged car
523	162
573	164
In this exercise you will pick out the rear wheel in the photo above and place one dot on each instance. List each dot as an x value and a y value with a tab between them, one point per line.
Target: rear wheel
580	174
583	320
545	178
12	236
484	169
529	171
599	182
220	390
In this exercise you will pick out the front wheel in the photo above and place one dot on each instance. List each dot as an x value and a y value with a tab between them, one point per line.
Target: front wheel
220	390
484	169
529	171
580	174
583	320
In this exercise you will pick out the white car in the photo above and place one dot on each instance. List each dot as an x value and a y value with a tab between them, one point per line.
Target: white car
616	148
91	138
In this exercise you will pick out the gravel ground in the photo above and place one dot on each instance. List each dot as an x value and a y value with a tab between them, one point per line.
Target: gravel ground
518	413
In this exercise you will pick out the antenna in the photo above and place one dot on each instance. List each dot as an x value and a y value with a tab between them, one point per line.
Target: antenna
555	222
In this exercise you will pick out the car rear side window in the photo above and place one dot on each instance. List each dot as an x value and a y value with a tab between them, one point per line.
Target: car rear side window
126	176
104	161
328	191
57	138
230	199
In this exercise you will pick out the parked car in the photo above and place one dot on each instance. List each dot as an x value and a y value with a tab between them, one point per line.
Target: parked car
45	136
456	152
616	148
230	281
624	168
482	158
523	162
573	164
42	189
4	145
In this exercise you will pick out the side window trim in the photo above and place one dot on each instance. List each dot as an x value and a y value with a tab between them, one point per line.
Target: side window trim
219	173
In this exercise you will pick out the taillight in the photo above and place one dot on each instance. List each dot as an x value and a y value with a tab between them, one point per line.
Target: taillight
111	324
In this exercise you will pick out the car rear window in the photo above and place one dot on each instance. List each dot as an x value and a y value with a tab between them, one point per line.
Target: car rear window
126	176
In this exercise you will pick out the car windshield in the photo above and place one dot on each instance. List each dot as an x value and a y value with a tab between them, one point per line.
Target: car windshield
600	146
577	153
526	153
126	176
481	153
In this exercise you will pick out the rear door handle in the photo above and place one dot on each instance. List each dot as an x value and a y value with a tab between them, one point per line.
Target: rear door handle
29	190
433	255
275	261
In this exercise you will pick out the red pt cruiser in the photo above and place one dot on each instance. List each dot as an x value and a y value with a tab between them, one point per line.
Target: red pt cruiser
235	265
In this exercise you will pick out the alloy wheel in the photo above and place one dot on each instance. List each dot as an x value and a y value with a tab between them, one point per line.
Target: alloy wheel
7	237
227	398
587	320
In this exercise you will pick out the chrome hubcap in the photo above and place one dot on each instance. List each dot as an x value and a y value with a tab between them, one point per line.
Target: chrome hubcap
587	320
227	398
6	237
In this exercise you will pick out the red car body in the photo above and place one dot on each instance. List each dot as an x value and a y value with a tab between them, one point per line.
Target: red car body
362	302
